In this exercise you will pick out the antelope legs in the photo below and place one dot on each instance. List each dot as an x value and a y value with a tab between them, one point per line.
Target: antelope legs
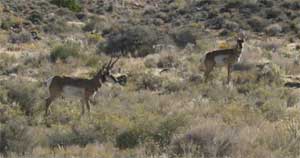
49	100
82	107
229	73
85	102
208	69
88	105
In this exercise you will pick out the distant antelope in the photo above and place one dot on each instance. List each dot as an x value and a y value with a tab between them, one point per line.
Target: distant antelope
223	57
79	87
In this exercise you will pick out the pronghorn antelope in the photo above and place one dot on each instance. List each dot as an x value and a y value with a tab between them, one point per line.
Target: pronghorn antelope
223	57
79	87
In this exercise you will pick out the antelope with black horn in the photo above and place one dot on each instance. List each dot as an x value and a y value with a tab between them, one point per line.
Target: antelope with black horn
82	88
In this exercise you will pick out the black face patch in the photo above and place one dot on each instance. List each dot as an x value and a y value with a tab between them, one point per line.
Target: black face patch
122	80
240	40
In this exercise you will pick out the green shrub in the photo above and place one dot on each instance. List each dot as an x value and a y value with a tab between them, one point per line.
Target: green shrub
208	140
90	26
150	62
149	82
23	94
292	4
11	21
184	37
95	24
63	138
73	5
168	61
273	110
16	137
257	23
62	52
58	26
137	41
273	13
269	73
36	17
159	131
23	37
173	86
128	139
166	129
274	29
94	38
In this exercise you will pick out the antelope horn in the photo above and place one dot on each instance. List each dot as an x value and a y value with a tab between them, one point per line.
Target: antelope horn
103	67
114	62
109	63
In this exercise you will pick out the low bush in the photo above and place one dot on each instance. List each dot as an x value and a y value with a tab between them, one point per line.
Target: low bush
23	94
11	21
94	38
23	37
58	26
62	52
159	131
16	137
149	82
95	24
273	13
128	139
273	110
257	23
36	17
173	86
209	140
294	5
73	5
64	138
137	41
273	29
184	37
150	61
168	61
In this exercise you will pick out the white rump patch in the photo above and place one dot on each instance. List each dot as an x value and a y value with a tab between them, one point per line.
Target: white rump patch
70	91
221	59
49	81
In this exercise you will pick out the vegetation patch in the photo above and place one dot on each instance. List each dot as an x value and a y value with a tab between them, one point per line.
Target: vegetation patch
73	5
63	52
137	41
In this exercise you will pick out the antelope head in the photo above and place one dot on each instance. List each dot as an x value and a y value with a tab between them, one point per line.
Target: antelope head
105	74
241	39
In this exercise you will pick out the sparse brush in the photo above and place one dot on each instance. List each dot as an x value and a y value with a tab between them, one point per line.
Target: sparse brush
16	137
26	96
65	51
23	37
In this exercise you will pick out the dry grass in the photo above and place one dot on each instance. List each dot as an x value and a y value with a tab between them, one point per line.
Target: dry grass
250	118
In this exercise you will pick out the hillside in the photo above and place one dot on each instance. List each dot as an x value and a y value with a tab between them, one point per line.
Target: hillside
165	109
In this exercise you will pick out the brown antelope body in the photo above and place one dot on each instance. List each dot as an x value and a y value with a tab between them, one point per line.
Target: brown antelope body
223	57
78	87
